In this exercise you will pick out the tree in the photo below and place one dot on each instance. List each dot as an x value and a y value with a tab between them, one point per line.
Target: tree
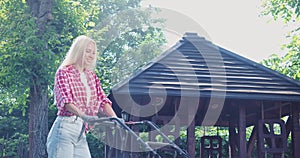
41	10
23	70
125	42
137	48
34	37
31	37
289	12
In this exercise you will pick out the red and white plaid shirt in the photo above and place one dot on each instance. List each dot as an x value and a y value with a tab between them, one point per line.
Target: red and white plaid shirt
68	88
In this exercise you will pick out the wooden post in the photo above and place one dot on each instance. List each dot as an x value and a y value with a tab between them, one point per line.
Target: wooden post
260	116
191	139
260	154
232	136
296	132
192	106
242	132
251	143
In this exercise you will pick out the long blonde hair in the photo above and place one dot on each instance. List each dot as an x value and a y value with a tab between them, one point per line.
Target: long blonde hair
76	54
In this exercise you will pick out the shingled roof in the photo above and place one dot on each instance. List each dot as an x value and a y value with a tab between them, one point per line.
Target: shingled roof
196	67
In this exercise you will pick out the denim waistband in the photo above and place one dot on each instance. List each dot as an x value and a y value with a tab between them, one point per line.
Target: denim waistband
70	118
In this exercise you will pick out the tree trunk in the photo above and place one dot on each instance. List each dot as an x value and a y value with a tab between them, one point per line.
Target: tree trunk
38	118
38	122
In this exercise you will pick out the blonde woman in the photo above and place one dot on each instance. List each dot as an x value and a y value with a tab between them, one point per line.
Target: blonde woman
79	97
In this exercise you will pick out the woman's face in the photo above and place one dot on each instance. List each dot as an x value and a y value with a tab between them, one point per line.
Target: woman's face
90	55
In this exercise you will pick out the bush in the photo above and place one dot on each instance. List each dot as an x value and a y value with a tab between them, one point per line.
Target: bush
15	146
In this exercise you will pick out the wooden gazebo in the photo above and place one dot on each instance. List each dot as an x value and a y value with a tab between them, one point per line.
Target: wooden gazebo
202	84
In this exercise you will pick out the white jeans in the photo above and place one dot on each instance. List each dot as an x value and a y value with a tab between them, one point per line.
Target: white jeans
65	139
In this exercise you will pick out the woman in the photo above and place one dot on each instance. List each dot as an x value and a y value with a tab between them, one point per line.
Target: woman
79	97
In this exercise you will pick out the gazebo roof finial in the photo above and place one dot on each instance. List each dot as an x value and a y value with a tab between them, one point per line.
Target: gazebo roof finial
193	36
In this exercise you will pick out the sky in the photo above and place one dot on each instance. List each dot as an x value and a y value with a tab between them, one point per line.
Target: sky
236	25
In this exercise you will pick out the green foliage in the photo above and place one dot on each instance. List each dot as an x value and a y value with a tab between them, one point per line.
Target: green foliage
16	36
27	58
13	126
286	9
126	39
288	65
97	147
137	48
15	146
289	11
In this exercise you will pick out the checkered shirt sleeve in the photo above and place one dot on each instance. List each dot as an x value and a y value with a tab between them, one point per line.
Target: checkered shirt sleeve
101	97
62	92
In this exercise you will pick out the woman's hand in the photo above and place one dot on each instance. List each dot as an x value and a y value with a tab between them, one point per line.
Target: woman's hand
89	119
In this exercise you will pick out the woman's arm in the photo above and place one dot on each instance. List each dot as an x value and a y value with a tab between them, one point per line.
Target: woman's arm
105	103
108	110
73	109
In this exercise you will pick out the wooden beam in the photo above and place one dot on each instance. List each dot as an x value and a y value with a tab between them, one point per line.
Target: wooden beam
251	143
296	132
232	136
260	116
191	139
242	132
